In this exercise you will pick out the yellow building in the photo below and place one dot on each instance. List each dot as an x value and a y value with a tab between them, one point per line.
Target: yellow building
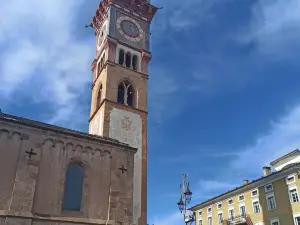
270	200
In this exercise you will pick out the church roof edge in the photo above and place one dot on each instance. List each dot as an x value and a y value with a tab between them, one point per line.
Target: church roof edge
38	124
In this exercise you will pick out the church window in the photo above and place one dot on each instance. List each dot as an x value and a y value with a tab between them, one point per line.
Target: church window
101	63
99	96
128	60
98	69
73	188
121	57
121	93
126	93
130	95
134	62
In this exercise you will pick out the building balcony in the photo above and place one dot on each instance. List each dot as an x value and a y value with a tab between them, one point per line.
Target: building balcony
238	220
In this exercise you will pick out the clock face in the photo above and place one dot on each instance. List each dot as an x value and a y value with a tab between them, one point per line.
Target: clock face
130	29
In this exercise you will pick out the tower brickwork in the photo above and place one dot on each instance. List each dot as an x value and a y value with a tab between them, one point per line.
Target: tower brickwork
119	89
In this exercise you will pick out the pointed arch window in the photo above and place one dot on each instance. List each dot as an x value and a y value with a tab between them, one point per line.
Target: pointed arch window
121	57
121	93
129	93
128	60
73	188
126	93
99	97
98	68
134	62
101	63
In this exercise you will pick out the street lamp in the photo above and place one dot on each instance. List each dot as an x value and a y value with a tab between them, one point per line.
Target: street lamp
180	205
185	199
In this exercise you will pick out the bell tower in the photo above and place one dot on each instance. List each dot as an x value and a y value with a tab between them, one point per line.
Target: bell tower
119	89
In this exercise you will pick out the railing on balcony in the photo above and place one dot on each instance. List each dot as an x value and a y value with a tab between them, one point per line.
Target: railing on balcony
245	219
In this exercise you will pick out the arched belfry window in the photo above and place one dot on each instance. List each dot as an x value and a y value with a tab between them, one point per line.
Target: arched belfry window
130	92
134	62
121	57
128	60
98	68
121	94
101	63
99	96
125	93
73	188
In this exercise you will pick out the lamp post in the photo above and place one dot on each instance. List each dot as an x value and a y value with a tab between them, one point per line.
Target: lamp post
185	199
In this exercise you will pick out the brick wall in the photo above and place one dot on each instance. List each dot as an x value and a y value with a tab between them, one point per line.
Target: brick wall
31	190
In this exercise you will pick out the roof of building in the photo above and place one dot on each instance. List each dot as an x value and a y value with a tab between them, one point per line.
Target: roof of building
41	125
242	186
295	152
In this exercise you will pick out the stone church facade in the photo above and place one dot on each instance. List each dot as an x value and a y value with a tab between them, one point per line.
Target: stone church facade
55	176
35	159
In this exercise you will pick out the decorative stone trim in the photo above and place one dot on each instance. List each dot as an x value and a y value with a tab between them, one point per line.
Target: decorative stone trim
54	218
254	185
36	124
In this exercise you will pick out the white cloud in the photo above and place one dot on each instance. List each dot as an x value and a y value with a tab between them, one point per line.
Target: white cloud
275	28
18	65
196	153
191	13
182	16
207	189
174	218
41	57
162	88
283	137
204	190
212	185
273	32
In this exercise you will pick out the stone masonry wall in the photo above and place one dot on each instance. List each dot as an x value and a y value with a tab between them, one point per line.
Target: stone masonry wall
32	189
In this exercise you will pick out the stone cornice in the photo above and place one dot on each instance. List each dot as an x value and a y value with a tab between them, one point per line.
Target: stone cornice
76	220
44	126
141	8
146	55
116	64
100	15
290	154
115	103
253	185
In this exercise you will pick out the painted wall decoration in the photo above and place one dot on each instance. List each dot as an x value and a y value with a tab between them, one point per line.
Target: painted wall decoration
127	127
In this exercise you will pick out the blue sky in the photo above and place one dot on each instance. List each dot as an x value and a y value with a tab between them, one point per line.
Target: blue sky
224	96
